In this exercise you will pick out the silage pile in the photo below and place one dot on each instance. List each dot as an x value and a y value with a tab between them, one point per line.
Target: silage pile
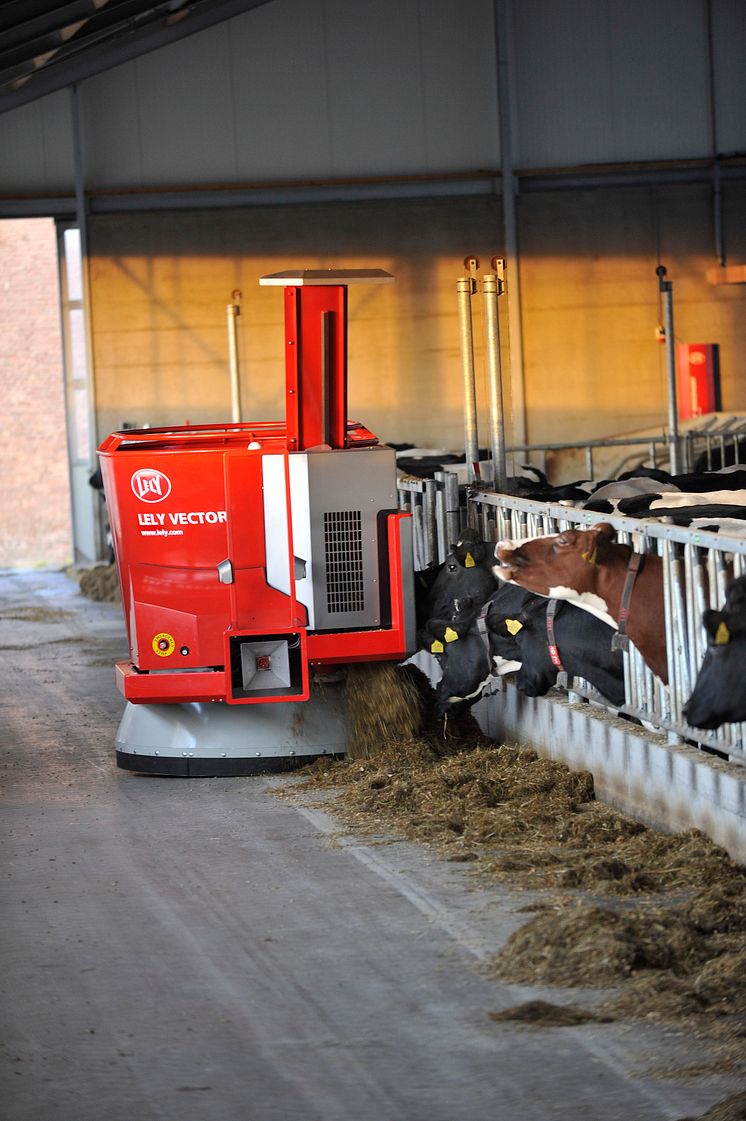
670	948
99	583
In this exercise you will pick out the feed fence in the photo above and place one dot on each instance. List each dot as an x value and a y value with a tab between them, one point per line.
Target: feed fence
697	568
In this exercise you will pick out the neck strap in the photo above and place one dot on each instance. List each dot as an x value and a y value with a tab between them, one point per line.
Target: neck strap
620	641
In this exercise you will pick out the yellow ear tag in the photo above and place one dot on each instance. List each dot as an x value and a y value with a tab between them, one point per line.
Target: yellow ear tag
469	561
437	647
591	558
450	635
722	635
513	625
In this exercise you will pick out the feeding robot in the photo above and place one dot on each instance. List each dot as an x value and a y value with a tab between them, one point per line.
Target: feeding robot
254	560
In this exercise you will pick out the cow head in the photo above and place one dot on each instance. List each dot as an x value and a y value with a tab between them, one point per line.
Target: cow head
563	559
719	696
464	660
470	550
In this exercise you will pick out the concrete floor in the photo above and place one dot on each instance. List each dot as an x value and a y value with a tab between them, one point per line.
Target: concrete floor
199	950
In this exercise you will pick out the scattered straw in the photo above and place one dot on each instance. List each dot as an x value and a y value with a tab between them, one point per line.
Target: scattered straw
383	707
730	1109
100	583
670	950
591	946
34	614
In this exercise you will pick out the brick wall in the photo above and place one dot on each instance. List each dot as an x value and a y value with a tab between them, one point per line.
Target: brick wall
35	520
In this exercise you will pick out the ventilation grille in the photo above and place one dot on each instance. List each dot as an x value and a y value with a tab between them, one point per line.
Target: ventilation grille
343	547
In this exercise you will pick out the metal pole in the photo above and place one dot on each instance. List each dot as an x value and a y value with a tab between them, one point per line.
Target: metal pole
233	311
717	208
508	187
492	287
89	538
666	290
465	287
453	512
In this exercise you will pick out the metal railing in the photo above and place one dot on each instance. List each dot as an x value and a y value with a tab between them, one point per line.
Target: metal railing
697	568
718	440
439	511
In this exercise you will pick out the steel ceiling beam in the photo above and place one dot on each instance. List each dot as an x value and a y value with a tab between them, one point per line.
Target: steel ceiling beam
173	21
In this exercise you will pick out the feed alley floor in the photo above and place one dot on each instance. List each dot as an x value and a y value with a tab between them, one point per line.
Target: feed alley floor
200	950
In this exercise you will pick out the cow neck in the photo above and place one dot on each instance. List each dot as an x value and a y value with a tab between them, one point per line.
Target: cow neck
635	561
552	647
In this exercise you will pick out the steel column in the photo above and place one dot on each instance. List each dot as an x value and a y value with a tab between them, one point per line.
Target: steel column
465	287
666	290
492	287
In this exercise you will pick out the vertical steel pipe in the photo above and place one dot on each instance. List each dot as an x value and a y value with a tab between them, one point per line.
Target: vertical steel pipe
453	511
443	540
666	290
233	311
465	289
430	525
419	536
509	189
491	289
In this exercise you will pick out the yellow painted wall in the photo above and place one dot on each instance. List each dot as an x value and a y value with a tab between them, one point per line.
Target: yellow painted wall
161	283
590	302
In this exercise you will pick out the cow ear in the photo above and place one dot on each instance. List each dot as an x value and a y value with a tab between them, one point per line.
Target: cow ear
600	537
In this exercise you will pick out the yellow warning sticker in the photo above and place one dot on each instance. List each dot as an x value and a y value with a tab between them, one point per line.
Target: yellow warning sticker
513	625
722	635
469	561
164	644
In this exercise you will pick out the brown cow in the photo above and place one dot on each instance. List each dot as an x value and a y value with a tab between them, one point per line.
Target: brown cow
588	567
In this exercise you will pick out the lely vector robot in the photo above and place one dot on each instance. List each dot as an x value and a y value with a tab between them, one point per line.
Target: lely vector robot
253	559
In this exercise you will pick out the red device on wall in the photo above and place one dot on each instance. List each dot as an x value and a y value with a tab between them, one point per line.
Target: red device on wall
250	553
698	379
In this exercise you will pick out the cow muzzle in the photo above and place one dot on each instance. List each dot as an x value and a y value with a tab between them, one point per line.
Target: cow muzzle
507	561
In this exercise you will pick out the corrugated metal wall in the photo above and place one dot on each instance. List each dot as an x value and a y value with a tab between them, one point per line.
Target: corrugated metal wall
300	89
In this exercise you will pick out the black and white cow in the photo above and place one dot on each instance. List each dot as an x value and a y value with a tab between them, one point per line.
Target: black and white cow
662	504
719	694
516	637
466	574
582	648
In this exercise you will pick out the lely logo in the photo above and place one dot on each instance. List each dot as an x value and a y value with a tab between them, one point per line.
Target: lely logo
150	485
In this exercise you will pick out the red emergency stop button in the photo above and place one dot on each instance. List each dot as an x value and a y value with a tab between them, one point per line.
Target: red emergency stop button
163	644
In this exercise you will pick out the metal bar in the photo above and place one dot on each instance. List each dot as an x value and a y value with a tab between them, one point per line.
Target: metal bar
509	189
465	287
430	540
666	290
418	537
453	511
233	311
441	527
492	287
87	513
